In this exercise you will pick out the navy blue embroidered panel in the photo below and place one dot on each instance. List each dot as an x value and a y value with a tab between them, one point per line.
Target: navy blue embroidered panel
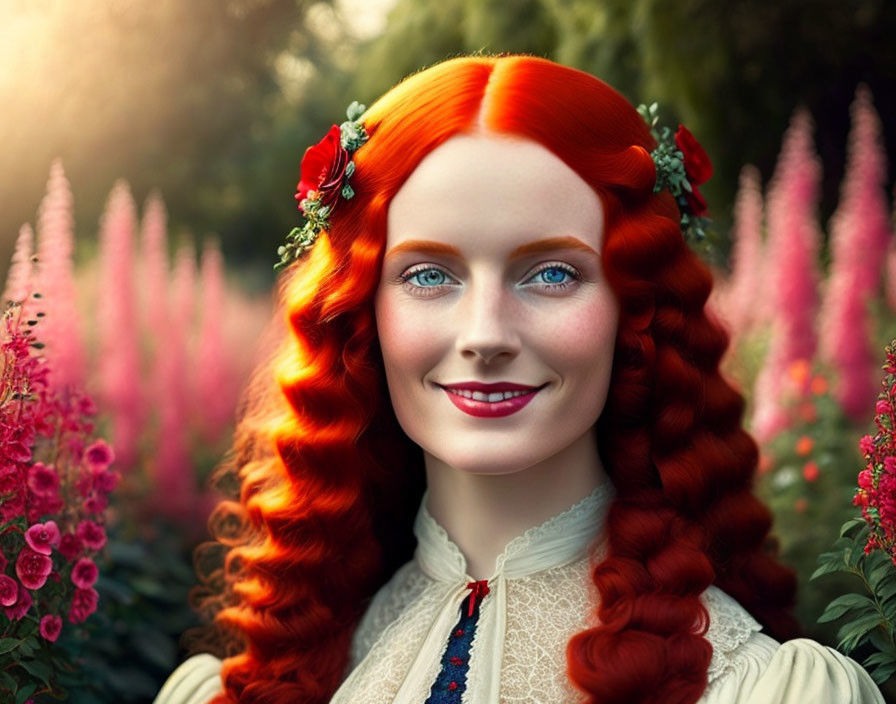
452	679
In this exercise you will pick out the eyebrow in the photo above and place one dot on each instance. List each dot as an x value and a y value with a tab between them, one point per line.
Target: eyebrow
546	245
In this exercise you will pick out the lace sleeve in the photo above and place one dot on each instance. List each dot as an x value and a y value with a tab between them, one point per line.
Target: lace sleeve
730	626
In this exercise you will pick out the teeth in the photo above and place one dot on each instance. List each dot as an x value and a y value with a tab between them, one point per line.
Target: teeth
491	398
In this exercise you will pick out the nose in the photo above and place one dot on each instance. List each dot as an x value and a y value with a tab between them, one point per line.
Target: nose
486	324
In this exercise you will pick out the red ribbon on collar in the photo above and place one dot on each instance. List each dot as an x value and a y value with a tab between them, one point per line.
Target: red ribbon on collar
477	591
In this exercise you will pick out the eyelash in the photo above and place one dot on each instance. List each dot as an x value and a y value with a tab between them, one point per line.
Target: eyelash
411	273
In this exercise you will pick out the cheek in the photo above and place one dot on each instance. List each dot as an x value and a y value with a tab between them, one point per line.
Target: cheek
407	340
582	338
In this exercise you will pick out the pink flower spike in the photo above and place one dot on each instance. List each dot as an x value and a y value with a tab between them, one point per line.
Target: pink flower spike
43	537
9	590
99	455
91	534
84	573
33	568
50	627
42	480
20	608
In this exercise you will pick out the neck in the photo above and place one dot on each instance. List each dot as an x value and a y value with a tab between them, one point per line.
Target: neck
483	512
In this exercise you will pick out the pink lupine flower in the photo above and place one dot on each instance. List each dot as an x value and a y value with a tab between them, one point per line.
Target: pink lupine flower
70	546
84	603
42	480
50	627
54	276
18	277
117	324
84	573
33	568
21	606
9	590
99	455
43	537
91	534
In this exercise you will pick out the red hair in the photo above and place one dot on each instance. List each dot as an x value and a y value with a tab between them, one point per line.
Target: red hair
329	483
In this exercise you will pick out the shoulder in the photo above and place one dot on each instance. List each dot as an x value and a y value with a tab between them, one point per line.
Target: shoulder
392	599
749	667
196	681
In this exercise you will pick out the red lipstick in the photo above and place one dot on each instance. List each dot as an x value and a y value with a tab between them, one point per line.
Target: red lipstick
491	409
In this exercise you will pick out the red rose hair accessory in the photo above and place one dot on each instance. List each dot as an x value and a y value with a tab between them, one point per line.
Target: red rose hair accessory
326	168
681	166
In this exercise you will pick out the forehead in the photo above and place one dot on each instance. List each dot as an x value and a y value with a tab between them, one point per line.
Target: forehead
489	191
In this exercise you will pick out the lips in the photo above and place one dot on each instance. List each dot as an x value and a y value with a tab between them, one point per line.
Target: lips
492	387
491	409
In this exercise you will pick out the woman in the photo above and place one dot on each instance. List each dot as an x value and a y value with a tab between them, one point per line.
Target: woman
497	349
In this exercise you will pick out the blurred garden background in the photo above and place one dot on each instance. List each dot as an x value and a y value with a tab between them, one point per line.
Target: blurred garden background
150	152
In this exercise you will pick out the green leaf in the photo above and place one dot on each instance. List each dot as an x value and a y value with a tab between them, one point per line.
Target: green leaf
878	659
7	645
38	669
848	602
883	673
856	553
829	562
877	567
25	692
851	523
852	632
8	682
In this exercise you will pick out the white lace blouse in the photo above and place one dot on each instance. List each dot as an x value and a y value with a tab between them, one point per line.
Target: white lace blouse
539	596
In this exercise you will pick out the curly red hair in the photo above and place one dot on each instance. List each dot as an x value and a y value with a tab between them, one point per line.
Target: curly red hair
329	484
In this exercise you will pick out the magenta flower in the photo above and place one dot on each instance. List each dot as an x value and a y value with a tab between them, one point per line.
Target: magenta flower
50	626
70	546
96	504
84	603
91	534
99	455
84	573
21	606
106	481
42	480
9	590
43	537
33	568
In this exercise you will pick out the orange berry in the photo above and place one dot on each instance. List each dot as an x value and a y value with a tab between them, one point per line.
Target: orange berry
765	463
799	371
819	385
810	471
804	445
807	412
800	505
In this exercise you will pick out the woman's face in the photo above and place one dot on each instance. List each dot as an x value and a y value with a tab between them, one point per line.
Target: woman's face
492	275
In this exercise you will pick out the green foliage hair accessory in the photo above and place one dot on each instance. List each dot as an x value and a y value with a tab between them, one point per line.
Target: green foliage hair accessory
681	166
326	169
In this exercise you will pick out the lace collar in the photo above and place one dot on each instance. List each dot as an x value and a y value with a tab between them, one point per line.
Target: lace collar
560	540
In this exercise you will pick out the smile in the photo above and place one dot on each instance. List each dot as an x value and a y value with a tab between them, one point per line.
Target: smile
490	405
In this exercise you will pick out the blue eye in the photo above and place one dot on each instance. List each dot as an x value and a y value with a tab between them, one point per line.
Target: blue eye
430	278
